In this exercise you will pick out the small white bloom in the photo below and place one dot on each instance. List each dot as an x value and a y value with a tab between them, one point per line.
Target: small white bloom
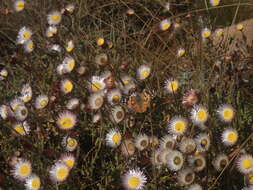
96	100
59	172
175	160
113	138
24	35
33	182
141	142
22	169
143	72
134	179
41	101
54	18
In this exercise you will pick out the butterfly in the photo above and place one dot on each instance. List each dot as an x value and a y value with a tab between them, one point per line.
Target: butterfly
139	102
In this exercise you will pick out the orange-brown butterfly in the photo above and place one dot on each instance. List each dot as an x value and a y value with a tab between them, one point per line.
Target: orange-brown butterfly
139	102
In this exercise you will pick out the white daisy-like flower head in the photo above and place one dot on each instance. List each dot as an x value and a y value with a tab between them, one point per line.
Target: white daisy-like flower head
69	143
22	169
186	176
226	113
167	142
180	52
51	31
113	138
96	84
165	24
127	147
134	179
156	157
177	125
117	114
96	100
66	86
199	115
175	160
61	69
96	118
245	164
70	8
24	35
205	33
68	159
21	113
239	27
141	142
15	103
215	2
143	72
26	93
41	101
114	96
28	46
4	73
69	64
164	155
101	59
220	161
33	182
19	5
126	80
55	47
197	162
171	85
4	111
203	142
187	145
72	103
70	46
54	18
21	128
195	186
59	172
66	120
229	136
219	32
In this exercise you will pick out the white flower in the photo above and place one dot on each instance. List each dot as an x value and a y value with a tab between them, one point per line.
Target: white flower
69	143
33	182
141	141
175	160
22	169
177	125
165	24
54	18
143	72
113	138
199	115
229	136
41	101
96	100
134	179
226	113
24	35
66	120
59	172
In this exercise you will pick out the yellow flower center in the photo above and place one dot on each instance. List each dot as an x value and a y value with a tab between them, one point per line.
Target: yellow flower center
71	142
134	182
250	177
36	183
232	137
96	86
145	74
116	138
43	103
181	52
165	26
115	98
62	173
239	27
68	86
55	18
206	34
20	5
20	129
201	115
100	41
69	163
246	164
24	170
219	32
173	86
126	82
66	122
70	47
215	2
26	98
180	126
228	113
30	44
26	35
71	64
